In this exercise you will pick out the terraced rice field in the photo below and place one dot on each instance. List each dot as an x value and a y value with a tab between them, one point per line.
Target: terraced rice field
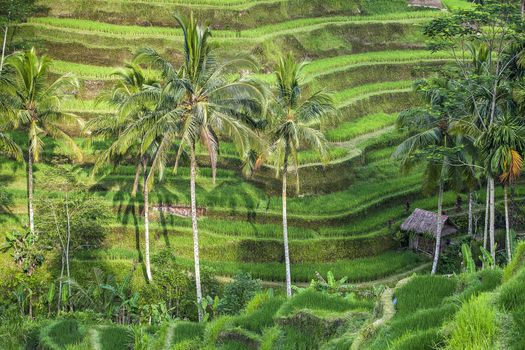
368	53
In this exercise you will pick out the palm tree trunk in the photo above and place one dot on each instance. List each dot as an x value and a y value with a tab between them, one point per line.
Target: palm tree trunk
285	232
470	205
507	225
439	228
68	272
522	9
193	171
30	189
487	213
3	48
146	223
492	220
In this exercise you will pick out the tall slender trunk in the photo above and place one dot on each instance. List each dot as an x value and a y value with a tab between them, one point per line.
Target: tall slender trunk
487	213
146	223
135	188
193	174
4	43
68	240
59	299
285	232
285	226
439	228
523	9
492	220
507	225
31	212
470	205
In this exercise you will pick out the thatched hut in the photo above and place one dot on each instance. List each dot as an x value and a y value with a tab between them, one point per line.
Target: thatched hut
422	226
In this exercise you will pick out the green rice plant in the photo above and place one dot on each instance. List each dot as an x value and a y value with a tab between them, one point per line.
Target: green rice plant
345	97
115	337
367	124
313	156
420	340
475	325
259	33
317	301
472	284
518	261
269	338
185	330
258	319
423	292
334	64
512	294
60	334
401	328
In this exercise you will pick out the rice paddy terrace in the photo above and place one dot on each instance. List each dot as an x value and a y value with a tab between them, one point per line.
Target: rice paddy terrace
368	53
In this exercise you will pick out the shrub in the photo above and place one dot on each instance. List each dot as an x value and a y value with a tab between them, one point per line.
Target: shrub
238	293
423	292
475	326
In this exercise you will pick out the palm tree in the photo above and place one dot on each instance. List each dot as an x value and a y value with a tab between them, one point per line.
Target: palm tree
206	103
290	125
134	132
433	142
501	146
35	108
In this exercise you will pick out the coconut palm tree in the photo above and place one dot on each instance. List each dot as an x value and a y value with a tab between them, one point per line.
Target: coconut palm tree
206	104
432	141
290	127
502	147
135	132
35	108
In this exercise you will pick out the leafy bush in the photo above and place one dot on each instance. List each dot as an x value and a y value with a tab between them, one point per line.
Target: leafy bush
238	293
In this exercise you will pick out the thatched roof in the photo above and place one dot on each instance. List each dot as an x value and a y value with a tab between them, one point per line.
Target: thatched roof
423	221
436	4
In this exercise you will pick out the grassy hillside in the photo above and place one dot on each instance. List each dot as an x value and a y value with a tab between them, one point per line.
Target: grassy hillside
368	53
